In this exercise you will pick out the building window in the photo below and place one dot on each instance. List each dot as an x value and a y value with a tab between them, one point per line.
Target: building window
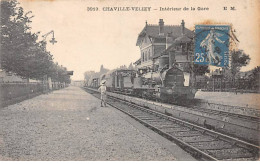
149	55
143	57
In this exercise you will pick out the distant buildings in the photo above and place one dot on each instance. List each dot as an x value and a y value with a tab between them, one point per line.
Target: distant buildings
90	75
78	83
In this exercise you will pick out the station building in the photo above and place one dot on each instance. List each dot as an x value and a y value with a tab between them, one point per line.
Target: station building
160	40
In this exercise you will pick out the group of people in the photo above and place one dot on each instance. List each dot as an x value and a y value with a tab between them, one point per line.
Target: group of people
103	89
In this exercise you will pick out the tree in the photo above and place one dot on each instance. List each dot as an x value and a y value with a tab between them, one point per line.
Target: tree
200	69
254	79
15	41
20	51
88	75
238	60
10	32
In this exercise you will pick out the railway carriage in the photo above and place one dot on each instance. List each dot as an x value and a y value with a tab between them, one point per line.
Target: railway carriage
94	82
119	80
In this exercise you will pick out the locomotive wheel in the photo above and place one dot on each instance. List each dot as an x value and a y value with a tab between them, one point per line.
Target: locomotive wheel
181	100
164	98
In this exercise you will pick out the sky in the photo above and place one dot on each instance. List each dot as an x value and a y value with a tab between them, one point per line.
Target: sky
87	39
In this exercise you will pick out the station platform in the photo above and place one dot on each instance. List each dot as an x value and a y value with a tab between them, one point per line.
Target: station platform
250	100
69	124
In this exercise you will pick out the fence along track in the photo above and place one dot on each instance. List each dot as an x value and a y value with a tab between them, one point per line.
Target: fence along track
202	143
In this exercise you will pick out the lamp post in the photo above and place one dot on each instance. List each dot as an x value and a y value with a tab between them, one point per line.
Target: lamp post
53	41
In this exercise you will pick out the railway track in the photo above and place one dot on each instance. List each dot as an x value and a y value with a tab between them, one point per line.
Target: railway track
233	115
237	125
202	143
241	117
224	120
221	112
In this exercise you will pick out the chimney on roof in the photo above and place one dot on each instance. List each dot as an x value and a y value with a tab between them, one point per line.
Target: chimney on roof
182	27
146	25
161	27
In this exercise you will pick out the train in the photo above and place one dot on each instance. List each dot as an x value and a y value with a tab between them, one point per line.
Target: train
165	70
167	84
168	78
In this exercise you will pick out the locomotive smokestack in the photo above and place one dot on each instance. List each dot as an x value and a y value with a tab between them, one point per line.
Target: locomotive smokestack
169	40
171	59
161	27
182	27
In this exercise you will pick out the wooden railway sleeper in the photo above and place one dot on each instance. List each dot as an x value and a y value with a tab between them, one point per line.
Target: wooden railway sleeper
234	143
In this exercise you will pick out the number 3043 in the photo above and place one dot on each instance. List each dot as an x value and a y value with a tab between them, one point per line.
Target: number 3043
199	57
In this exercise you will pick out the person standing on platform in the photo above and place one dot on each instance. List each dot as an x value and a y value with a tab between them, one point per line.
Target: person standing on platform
103	89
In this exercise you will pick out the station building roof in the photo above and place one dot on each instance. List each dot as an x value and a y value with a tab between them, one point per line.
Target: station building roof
152	31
